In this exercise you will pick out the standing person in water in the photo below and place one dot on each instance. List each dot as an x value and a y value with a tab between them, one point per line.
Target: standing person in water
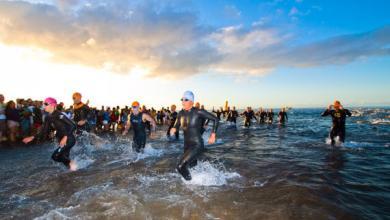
248	115
339	114
138	121
190	119
81	111
232	115
64	128
172	120
270	116
282	116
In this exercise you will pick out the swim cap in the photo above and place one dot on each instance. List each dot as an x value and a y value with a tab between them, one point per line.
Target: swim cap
77	95
336	103
188	95
50	101
135	104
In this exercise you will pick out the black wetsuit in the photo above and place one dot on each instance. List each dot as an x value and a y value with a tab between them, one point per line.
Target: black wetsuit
81	114
63	127
232	116
139	126
270	116
172	117
191	123
219	113
282	117
263	115
338	120
248	117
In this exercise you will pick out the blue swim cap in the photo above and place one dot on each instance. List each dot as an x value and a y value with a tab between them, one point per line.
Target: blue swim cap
188	95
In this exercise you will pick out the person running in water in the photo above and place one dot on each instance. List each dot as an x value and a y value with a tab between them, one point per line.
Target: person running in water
218	113
282	116
190	120
262	115
270	116
81	111
339	114
232	115
138	122
249	115
172	120
64	128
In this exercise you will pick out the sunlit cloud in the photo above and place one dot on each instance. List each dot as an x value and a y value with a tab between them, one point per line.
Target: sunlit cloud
168	39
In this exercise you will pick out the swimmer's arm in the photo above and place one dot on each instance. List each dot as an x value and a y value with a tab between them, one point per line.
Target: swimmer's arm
67	121
146	117
347	112
128	125
210	117
177	122
326	112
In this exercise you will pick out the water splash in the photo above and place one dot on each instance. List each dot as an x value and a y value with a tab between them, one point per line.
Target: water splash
207	174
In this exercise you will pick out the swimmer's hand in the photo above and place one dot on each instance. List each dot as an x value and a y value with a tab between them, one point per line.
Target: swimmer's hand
28	139
173	131
124	132
81	123
212	138
63	141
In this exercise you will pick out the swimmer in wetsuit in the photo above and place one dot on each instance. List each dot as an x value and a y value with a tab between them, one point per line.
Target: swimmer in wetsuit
270	116
64	128
81	112
262	115
172	120
249	115
138	123
282	116
339	114
218	113
232	115
190	119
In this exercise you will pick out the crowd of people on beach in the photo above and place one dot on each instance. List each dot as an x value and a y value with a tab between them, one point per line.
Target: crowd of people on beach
39	121
25	117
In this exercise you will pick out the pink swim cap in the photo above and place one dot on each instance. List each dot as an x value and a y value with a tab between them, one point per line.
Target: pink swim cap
50	101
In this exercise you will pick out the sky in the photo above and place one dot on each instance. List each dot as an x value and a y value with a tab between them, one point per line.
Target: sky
273	53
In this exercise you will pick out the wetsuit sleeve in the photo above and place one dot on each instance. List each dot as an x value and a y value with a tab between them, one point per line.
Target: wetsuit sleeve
44	131
69	124
347	112
326	113
210	117
177	122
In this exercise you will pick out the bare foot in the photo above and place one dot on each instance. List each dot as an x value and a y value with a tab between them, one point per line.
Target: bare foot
72	166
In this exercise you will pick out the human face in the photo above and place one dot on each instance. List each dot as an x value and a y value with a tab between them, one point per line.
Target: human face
48	108
76	100
187	104
135	109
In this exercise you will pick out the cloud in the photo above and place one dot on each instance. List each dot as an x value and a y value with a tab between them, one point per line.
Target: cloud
168	39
